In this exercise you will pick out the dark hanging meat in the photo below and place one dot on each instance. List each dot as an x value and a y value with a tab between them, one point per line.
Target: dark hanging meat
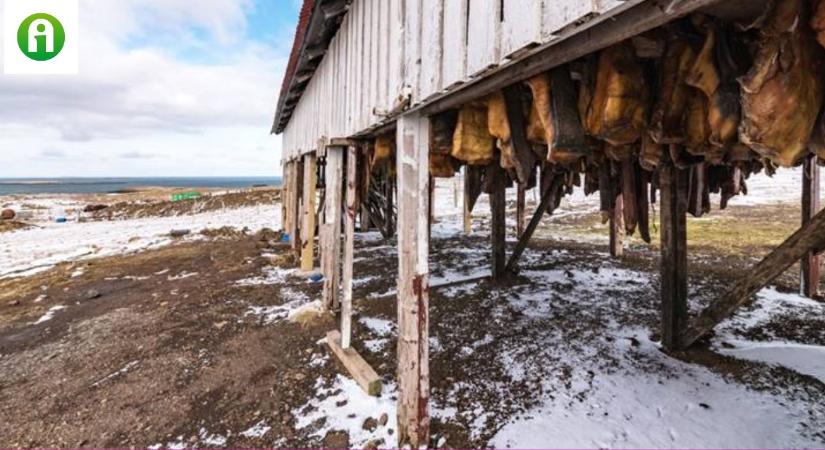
666	120
442	130
818	22
617	112
629	197
499	128
782	93
651	153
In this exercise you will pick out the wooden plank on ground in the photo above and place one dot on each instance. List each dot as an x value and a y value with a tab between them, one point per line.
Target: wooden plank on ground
413	281
810	206
673	262
361	372
807	238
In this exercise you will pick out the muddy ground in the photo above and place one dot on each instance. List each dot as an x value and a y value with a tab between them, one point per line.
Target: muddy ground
169	345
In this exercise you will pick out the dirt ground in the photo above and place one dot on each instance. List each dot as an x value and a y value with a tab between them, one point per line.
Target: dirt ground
167	346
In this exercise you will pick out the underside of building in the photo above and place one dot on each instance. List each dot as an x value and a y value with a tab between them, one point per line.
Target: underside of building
640	102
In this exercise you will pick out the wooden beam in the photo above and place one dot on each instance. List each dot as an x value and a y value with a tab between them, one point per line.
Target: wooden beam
349	245
673	262
389	208
617	228
548	199
413	281
810	206
309	219
521	201
361	371
331	231
498	219
525	158
807	238
295	204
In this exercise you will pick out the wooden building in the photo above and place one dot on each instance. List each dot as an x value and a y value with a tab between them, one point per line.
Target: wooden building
634	99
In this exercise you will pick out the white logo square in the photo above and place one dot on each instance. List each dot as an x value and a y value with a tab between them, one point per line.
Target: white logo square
41	37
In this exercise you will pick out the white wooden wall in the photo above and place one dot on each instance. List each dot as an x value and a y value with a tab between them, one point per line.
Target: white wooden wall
430	46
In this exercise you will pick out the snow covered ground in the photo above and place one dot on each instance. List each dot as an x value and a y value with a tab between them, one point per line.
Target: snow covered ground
39	248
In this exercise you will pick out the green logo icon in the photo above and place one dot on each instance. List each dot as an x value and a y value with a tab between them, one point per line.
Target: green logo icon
41	37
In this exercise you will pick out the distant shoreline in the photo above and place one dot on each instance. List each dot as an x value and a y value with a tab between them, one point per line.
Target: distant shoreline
34	186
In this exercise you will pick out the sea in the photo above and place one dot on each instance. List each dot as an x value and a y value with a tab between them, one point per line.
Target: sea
28	186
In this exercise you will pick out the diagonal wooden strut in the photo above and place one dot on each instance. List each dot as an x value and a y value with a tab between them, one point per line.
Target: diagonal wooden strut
806	239
548	198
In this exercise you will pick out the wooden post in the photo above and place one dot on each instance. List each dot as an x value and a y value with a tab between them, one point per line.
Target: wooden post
389	210
431	203
520	209
498	217
674	254
468	214
617	228
294	204
456	191
331	231
810	206
366	222
309	219
284	194
413	281
548	199
349	245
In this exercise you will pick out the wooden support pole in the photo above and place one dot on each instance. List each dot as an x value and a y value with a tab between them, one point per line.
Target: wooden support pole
431	203
617	228
389	211
413	281
520	209
468	213
284	195
548	199
674	254
309	219
806	239
331	231
498	220
810	206
349	245
293	205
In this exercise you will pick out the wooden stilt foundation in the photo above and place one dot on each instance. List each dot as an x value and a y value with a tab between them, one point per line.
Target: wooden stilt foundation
674	254
331	229
617	230
349	246
810	207
520	209
498	226
413	281
309	219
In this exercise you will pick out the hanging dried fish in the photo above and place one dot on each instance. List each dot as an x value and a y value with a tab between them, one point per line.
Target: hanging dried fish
818	22
782	93
617	112
499	128
666	121
472	141
651	153
383	151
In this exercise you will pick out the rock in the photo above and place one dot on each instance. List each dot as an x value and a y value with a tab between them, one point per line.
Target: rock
383	419
91	294
8	214
94	208
179	233
336	439
373	444
342	403
14	303
370	424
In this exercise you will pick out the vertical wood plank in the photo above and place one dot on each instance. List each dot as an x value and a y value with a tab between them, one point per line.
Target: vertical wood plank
561	13
468	213
484	33
331	249
294	206
396	53
617	230
413	281
412	48
349	246
384	57
498	218
674	254
432	30
521	27
810	207
521	201
454	61
308	229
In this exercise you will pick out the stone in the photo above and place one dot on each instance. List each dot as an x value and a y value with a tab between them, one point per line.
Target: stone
370	424
383	419
91	294
8	214
336	439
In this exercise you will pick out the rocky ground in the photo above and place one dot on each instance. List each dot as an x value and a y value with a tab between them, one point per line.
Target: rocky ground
217	343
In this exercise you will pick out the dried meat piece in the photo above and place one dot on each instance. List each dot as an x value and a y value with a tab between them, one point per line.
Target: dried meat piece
499	128
782	93
472	141
617	112
666	121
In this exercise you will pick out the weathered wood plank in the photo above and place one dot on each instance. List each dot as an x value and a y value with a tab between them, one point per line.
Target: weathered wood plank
454	64
521	27
673	254
484	33
562	13
803	241
308	229
349	245
412	48
432	31
810	206
521	201
617	228
361	371
413	281
498	219
331	249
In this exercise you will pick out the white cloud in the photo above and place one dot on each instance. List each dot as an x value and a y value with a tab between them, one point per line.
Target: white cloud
172	78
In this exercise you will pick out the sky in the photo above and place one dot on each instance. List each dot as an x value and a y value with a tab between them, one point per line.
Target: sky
166	88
